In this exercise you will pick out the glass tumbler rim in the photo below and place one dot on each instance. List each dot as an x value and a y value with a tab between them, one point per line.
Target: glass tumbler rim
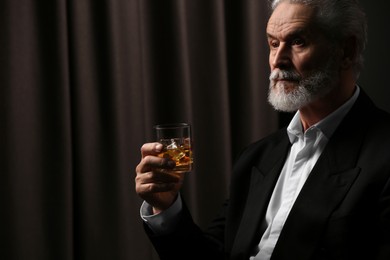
171	125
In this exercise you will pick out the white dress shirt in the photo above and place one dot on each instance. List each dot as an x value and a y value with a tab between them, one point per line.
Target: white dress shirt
305	150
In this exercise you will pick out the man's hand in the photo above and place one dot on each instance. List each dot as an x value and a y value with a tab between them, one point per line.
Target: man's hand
154	182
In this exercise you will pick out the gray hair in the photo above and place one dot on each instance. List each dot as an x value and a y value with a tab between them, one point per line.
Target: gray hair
339	20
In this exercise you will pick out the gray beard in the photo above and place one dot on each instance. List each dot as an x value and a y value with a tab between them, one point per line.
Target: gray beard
316	85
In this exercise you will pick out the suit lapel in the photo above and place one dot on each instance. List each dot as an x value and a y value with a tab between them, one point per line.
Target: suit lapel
263	180
324	190
322	193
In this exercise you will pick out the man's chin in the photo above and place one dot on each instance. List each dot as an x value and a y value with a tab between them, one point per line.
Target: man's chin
283	105
287	100
285	109
285	86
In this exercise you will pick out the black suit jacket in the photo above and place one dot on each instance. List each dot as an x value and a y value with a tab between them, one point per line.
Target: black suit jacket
342	211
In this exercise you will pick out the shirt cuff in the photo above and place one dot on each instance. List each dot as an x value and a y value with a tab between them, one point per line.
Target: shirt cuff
164	222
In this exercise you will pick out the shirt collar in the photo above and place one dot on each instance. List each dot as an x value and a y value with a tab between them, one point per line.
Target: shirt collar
327	125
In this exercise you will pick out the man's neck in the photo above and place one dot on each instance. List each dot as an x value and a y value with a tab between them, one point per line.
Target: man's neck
322	107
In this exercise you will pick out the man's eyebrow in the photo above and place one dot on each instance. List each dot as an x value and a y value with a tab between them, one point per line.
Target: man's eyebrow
270	36
295	33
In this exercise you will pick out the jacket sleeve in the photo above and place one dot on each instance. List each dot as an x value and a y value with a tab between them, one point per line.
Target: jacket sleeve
188	241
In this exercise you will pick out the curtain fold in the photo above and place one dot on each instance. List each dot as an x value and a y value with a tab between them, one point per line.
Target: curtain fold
36	161
81	85
106	87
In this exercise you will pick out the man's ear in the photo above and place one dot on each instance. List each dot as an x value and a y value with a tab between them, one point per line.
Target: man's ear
349	53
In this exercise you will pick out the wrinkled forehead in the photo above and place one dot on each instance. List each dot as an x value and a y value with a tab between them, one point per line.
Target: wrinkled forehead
290	15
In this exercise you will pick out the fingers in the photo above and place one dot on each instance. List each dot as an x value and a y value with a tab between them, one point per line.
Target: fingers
150	163
156	181
153	173
158	177
158	188
151	149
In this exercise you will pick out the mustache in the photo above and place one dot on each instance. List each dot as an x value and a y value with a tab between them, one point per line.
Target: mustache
284	75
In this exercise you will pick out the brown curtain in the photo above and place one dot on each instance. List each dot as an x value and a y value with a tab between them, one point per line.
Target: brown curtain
82	82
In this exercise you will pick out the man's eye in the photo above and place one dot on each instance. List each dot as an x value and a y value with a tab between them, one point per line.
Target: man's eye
298	42
274	44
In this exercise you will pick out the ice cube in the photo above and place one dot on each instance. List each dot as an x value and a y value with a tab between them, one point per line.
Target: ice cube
175	152
172	146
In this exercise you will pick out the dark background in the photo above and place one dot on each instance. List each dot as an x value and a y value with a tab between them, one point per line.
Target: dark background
82	83
374	76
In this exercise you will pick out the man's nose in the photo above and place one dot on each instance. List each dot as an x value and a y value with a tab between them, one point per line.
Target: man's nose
281	57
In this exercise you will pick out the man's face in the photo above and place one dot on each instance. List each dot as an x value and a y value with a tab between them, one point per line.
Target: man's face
303	66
